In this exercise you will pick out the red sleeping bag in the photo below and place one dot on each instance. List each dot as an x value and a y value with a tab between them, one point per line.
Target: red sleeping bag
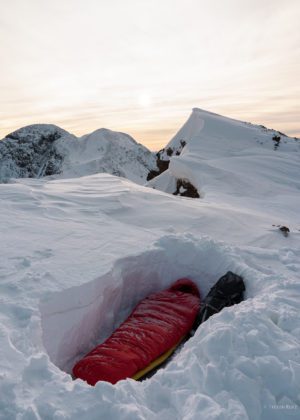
157	324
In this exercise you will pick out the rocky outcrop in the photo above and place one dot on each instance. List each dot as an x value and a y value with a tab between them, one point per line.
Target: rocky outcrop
31	152
185	189
163	159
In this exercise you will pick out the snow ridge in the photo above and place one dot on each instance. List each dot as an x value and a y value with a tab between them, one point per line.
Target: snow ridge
210	149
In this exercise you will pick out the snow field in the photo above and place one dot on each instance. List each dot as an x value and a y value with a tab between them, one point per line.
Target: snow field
240	363
73	268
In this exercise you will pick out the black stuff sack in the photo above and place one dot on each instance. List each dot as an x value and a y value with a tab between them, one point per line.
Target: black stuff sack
228	291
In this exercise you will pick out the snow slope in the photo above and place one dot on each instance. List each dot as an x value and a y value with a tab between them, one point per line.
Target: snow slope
42	150
78	254
221	155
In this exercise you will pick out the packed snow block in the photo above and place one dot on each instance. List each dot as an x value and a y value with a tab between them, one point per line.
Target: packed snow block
155	327
228	291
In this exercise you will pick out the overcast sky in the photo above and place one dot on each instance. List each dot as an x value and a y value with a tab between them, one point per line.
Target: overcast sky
140	66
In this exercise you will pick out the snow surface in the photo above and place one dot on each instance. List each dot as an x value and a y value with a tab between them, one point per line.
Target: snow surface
221	156
78	254
42	150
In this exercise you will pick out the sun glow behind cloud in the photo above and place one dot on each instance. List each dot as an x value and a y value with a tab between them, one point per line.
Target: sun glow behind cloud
144	99
140	66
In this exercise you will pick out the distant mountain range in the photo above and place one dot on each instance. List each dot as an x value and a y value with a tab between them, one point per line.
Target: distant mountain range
204	151
42	150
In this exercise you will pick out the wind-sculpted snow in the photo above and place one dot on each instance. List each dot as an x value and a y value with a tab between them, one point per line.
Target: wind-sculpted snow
210	151
80	253
43	150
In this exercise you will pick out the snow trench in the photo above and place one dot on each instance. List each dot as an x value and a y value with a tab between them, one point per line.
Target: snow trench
76	319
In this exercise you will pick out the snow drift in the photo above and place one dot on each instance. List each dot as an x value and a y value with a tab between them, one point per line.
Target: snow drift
218	153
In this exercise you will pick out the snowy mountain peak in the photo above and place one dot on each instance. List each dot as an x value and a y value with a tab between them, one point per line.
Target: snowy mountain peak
203	111
32	151
209	148
43	149
113	136
108	151
206	126
31	132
